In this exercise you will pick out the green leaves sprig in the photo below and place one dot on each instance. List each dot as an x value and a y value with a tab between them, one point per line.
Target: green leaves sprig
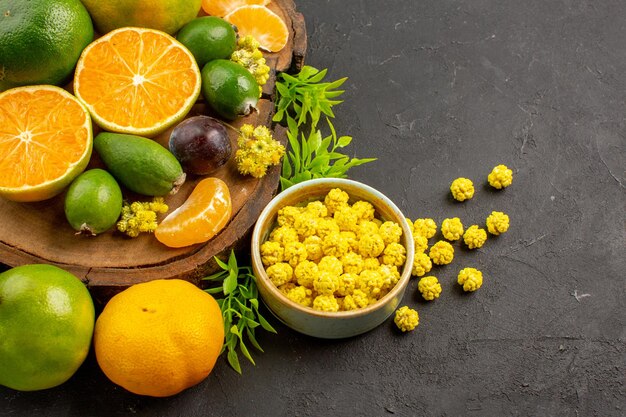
240	308
302	100
305	97
315	157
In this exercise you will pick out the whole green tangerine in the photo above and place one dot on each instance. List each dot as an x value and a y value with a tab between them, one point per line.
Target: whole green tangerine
40	42
229	88
208	38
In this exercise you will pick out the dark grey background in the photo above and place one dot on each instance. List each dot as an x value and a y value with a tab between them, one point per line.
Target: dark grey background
436	90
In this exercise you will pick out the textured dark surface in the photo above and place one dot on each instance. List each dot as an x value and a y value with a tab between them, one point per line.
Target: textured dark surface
436	90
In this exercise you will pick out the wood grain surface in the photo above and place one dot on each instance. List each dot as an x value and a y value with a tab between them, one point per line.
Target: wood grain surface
39	233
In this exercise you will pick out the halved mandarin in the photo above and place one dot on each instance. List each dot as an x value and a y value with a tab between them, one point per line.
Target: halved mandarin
137	81
45	142
204	214
221	8
262	24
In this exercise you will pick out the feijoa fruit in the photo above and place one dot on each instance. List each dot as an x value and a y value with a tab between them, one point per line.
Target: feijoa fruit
229	88
140	164
93	202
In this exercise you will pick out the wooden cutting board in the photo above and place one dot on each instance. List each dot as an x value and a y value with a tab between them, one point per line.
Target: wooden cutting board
107	263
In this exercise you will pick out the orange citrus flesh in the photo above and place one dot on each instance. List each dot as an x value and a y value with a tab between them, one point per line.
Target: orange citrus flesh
45	141
159	338
137	81
262	24
221	8
205	212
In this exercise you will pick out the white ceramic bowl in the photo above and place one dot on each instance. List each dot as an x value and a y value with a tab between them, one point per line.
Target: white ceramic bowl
329	325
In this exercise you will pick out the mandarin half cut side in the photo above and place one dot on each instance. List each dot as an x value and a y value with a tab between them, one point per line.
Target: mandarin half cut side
137	81
45	142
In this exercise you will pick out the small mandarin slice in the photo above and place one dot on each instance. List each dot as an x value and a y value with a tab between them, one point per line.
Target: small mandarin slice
203	215
221	8
262	24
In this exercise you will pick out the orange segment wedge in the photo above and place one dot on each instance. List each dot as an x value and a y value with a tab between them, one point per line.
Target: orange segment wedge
221	8
137	81
45	142
203	215
262	24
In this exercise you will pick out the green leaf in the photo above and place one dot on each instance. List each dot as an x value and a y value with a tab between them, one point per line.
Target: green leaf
297	163
333	94
356	161
251	324
233	360
245	292
318	77
285	183
303	99
215	277
278	116
232	261
242	308
320	162
282	89
232	341
252	340
265	324
325	108
286	168
336	84
315	115
306	72
306	153
289	78
239	309
325	143
221	264
216	290
301	177
245	352
344	141
230	283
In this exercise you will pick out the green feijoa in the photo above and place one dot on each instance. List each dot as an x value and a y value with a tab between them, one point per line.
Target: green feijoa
140	164
93	202
208	38
229	88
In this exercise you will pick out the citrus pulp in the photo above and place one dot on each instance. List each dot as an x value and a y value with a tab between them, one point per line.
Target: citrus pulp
262	24
137	81
44	124
46	325
40	41
160	337
222	7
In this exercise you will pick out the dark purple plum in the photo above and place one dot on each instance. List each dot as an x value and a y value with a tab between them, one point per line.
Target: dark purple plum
201	144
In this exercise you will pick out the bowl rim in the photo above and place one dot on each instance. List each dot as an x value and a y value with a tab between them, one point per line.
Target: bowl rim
275	204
